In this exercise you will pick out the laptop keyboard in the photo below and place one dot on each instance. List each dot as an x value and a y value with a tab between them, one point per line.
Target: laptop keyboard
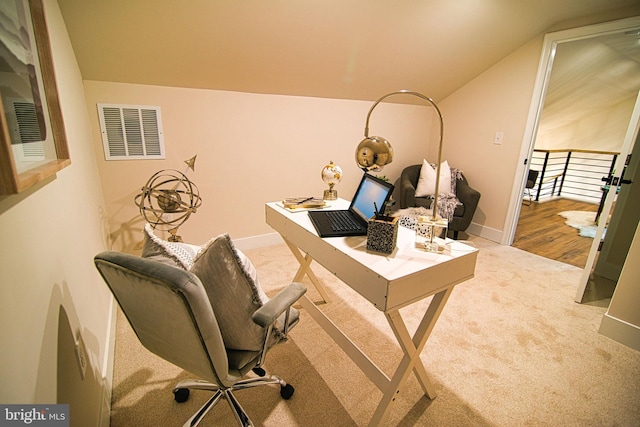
342	221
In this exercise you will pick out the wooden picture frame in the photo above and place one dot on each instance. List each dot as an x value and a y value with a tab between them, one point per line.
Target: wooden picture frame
33	143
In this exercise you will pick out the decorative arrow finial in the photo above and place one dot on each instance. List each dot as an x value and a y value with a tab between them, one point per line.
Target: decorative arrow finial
191	163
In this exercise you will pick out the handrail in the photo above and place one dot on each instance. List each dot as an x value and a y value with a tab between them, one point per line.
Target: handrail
572	173
576	150
551	178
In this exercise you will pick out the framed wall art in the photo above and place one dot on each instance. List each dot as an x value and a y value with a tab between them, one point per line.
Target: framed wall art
33	144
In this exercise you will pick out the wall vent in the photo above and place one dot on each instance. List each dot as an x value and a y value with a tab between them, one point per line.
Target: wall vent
27	130
131	132
28	124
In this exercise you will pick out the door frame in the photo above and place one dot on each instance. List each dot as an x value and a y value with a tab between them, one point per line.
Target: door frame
545	66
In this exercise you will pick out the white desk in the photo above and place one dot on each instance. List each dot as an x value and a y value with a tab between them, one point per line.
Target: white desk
389	282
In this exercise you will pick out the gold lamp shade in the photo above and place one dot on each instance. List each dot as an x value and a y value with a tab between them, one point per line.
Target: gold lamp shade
373	153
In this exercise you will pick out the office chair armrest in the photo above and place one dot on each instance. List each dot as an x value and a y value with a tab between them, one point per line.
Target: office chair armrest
268	313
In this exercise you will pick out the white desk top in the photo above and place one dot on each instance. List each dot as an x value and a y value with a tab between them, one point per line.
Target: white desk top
388	281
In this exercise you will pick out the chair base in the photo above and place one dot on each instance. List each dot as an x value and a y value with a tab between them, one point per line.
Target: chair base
181	394
528	193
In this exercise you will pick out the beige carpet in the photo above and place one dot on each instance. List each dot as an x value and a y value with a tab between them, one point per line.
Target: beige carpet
510	349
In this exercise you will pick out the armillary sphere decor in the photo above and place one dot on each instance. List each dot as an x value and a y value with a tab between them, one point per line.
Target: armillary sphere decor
168	199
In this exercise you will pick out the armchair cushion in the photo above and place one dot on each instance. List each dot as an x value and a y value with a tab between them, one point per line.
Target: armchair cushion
427	181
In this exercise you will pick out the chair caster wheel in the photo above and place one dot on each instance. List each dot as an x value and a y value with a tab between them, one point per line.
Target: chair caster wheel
286	391
259	372
181	395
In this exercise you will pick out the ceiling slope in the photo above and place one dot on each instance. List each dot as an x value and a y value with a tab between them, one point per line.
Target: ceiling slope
358	49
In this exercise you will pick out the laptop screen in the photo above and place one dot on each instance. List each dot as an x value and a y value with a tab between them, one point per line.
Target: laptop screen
370	190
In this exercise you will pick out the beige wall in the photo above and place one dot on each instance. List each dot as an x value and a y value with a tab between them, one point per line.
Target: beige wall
236	135
251	149
500	100
258	148
497	100
49	236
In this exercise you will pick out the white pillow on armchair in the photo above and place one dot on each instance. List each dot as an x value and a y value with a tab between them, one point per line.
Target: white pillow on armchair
427	181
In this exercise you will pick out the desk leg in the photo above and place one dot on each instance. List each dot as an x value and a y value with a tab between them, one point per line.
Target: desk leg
412	347
305	269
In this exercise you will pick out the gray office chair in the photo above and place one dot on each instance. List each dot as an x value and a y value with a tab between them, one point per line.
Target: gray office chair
171	312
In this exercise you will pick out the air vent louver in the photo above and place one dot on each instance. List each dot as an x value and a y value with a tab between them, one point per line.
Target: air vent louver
131	132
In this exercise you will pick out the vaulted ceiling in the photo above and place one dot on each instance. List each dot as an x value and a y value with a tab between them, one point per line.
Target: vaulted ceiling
344	49
592	75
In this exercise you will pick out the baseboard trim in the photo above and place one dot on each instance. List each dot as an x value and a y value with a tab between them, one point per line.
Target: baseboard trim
260	241
485	232
621	331
108	366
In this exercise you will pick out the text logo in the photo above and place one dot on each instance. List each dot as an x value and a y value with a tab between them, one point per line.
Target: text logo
34	415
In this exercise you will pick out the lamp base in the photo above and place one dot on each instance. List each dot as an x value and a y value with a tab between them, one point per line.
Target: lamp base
431	234
434	247
330	195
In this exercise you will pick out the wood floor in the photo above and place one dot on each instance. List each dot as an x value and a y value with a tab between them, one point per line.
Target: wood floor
543	232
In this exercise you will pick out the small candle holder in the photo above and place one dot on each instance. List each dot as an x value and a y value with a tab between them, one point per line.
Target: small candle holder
382	234
431	233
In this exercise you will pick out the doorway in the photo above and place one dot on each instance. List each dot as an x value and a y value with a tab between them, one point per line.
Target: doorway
542	231
586	87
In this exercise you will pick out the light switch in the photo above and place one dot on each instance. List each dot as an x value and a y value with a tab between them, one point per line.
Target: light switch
498	138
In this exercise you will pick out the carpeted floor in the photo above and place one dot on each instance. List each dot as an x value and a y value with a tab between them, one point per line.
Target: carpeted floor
511	348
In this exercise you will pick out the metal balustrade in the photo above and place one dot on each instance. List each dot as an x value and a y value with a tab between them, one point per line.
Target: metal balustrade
573	174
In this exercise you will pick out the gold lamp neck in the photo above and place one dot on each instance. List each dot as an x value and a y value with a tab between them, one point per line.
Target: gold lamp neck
435	106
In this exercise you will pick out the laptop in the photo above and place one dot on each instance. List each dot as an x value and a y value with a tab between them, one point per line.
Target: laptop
372	193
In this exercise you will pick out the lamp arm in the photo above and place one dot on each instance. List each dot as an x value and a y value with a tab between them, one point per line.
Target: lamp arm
433	104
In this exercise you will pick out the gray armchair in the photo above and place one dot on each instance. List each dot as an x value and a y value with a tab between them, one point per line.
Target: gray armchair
467	196
170	310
